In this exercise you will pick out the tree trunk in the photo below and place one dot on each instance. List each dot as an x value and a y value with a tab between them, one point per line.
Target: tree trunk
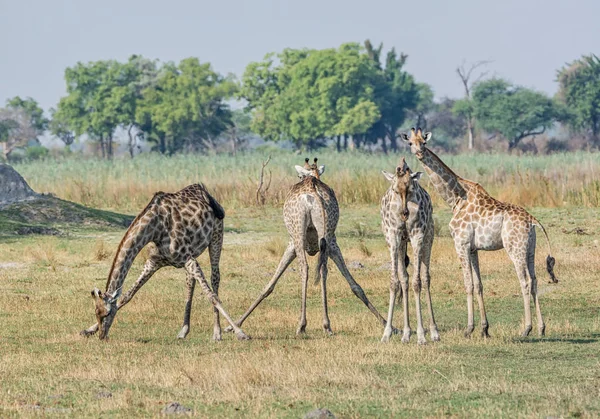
109	147
131	140
345	143
470	133
102	148
338	145
384	145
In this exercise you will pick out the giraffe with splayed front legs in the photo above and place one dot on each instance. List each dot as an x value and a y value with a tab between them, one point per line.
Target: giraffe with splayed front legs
480	222
181	225
407	216
311	214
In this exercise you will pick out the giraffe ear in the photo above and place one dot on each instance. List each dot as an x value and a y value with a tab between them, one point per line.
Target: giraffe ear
404	137
321	170
302	171
426	137
96	293
388	176
416	176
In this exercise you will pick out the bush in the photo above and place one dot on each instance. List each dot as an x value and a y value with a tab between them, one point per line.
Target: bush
36	152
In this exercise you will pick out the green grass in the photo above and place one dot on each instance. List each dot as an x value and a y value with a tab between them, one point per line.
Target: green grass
46	368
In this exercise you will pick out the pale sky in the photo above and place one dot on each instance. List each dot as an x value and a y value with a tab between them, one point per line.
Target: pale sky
527	40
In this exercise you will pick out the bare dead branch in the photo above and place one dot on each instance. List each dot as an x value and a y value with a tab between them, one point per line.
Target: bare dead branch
261	195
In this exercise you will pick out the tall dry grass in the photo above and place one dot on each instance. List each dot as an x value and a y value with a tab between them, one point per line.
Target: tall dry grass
570	179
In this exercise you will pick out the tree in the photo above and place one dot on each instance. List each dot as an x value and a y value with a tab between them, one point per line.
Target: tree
307	96
185	108
239	130
513	111
464	107
579	90
424	105
21	121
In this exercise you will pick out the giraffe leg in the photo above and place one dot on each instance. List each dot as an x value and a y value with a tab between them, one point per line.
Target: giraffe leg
214	251
304	276
326	322
394	288
417	245
336	255
152	265
479	292
518	255
463	251
191	285
433	329
288	256
193	268
406	332
533	283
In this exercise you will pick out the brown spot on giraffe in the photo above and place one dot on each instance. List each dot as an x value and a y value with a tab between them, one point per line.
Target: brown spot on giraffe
407	216
160	223
504	225
311	214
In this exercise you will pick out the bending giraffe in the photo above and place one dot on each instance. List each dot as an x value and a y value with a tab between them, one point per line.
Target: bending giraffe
181	225
407	215
311	214
480	222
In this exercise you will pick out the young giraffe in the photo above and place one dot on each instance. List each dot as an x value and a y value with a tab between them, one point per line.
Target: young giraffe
311	214
480	222
407	214
181	225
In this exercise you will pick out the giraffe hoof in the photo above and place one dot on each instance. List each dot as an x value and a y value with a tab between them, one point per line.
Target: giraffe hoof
385	339
242	336
421	342
87	333
526	332
435	335
183	332
217	338
328	331
469	331
542	330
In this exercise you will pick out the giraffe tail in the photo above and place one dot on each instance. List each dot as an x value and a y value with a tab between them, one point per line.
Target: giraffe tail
322	259
550	261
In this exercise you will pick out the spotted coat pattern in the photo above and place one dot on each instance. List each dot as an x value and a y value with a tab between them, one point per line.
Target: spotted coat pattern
181	225
480	222
407	216
311	214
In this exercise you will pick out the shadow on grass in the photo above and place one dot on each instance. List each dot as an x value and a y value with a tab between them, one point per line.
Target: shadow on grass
592	338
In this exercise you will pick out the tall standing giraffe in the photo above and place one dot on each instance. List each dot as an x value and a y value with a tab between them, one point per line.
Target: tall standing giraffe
181	225
407	215
311	214
480	222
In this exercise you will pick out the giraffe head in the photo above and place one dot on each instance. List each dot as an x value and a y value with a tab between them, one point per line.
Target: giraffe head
403	184
310	169
417	141
106	308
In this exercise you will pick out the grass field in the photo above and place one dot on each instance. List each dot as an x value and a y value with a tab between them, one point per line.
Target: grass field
46	368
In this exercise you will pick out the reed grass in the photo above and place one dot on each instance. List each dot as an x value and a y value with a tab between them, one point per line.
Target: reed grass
558	180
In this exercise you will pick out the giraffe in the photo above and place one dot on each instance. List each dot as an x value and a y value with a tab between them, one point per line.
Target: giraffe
480	222
311	214
181	225
407	215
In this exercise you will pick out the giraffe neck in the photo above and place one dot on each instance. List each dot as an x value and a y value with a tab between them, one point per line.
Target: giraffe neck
446	182
137	236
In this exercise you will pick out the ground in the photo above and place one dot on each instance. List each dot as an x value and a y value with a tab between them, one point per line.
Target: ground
46	367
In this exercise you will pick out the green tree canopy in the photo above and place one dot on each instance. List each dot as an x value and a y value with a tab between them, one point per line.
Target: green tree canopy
308	95
579	90
513	111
